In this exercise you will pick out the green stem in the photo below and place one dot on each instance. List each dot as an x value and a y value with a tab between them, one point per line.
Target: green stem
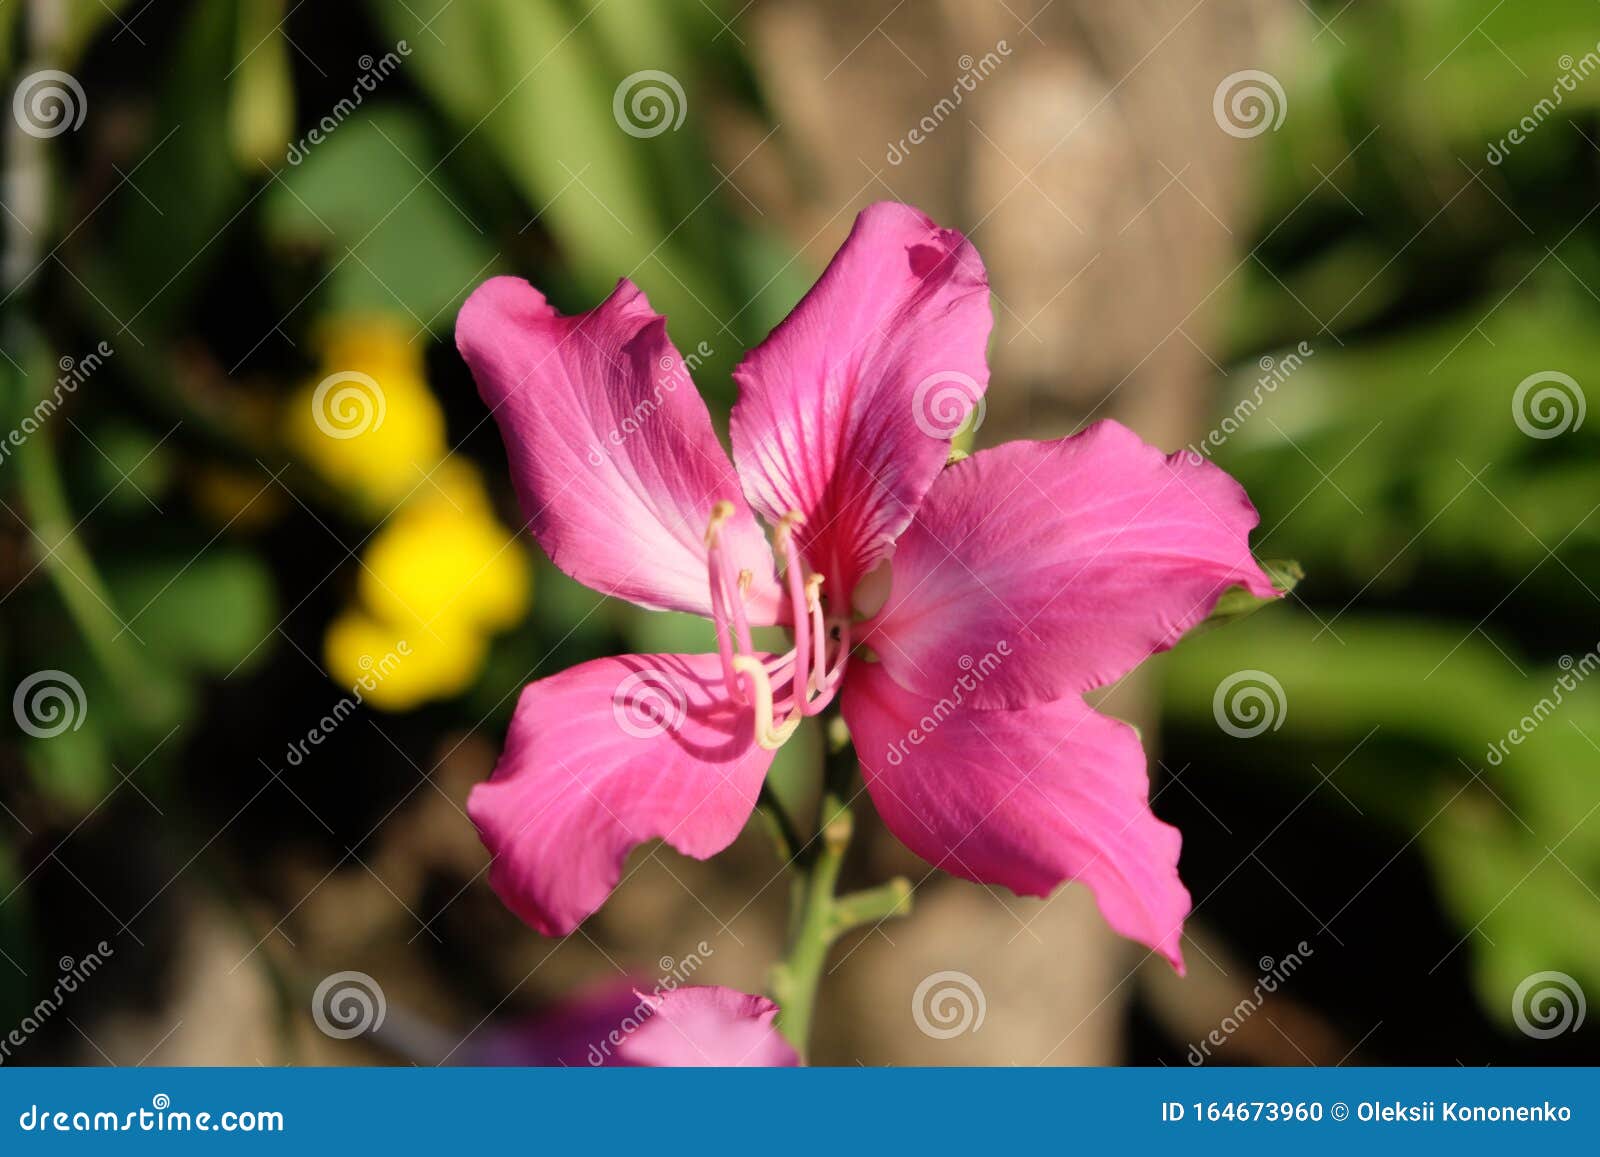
872	905
62	553
784	834
812	929
819	916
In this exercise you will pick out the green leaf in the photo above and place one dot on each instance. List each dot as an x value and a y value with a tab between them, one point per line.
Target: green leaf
412	249
158	249
201	614
540	96
1237	602
261	107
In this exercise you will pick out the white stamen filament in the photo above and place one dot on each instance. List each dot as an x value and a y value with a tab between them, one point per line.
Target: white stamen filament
769	737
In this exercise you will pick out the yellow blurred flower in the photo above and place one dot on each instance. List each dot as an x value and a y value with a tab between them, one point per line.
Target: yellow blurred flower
396	668
368	423
442	556
442	574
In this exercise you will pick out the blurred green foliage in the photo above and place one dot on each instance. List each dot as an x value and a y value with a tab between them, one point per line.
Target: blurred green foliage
1451	555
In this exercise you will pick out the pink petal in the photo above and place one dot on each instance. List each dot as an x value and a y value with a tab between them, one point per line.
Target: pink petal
1049	568
611	448
711	1026
576	1032
845	412
601	758
1022	798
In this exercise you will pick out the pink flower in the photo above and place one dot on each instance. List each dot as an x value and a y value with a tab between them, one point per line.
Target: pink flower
616	1025
1006	586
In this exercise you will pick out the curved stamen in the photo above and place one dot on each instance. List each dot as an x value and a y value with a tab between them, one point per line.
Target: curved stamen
769	737
830	681
783	543
716	567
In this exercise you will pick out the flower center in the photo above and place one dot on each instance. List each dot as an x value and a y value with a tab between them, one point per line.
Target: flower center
800	683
